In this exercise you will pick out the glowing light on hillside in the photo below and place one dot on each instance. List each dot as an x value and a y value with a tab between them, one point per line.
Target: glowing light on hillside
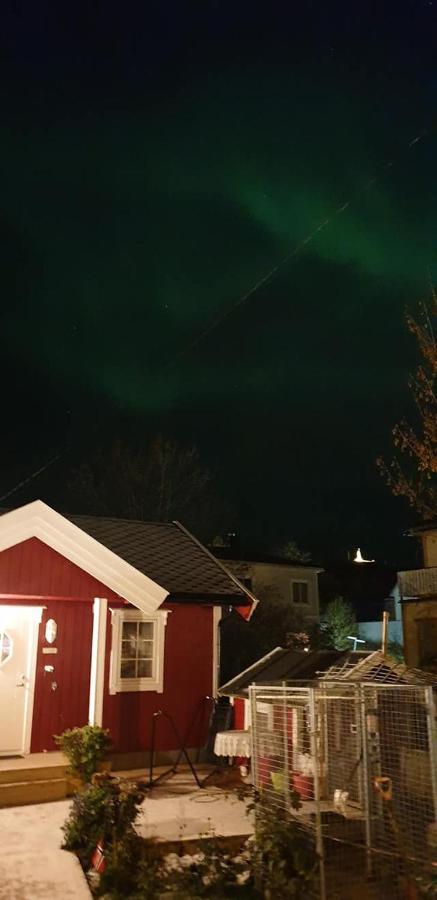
360	559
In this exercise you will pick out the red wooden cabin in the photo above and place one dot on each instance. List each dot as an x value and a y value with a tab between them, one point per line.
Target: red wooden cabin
106	621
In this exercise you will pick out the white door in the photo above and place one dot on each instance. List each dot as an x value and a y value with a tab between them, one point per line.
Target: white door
18	643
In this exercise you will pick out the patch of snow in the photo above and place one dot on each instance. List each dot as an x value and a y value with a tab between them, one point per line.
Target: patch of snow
198	814
32	864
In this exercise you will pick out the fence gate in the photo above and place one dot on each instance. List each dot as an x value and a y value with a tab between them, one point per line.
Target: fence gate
363	758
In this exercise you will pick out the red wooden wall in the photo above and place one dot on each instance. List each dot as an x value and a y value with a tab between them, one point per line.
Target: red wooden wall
188	668
238	713
34	569
68	705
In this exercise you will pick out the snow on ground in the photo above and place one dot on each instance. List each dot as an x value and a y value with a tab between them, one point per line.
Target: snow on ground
172	817
32	865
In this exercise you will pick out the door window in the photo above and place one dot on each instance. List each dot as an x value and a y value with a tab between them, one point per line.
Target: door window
5	647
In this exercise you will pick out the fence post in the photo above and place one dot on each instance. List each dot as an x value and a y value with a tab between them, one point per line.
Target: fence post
432	738
254	743
365	779
314	754
287	772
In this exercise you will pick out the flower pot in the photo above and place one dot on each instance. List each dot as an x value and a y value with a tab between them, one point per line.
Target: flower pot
304	785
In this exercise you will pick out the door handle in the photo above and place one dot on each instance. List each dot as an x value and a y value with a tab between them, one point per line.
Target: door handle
23	682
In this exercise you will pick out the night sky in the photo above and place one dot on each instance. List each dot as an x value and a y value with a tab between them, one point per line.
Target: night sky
158	159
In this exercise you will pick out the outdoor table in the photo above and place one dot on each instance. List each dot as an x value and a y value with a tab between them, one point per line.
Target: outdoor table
232	744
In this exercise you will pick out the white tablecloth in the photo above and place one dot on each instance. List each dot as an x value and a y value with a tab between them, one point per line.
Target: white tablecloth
232	743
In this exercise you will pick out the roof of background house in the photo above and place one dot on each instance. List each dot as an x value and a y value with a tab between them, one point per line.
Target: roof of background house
284	664
238	555
419	529
168	554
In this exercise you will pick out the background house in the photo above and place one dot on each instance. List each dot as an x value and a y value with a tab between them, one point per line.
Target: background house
276	578
418	590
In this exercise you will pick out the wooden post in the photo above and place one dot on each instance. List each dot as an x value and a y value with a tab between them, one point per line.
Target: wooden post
385	618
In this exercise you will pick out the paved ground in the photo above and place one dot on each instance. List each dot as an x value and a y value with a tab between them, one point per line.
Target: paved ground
177	810
32	866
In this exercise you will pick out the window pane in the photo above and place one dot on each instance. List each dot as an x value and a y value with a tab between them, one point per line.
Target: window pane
5	647
129	649
127	669
300	592
137	650
145	649
146	630
145	668
130	630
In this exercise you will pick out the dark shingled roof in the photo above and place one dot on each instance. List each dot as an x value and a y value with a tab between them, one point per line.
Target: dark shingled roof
288	665
169	555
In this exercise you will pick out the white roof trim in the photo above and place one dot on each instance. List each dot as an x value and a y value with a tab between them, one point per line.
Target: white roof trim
224	569
41	521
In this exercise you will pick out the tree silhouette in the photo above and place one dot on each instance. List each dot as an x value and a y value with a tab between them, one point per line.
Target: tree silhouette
160	481
412	472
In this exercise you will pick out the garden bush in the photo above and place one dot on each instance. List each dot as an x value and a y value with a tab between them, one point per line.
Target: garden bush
104	811
85	749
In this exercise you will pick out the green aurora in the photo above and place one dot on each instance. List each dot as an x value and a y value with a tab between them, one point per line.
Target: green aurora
126	233
140	225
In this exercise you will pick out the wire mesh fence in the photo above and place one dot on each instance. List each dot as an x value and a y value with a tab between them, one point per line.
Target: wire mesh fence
361	757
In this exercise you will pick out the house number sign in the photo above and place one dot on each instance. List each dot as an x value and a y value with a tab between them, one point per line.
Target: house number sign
51	631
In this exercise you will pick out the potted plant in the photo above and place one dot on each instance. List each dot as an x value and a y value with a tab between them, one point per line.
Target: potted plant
303	776
86	749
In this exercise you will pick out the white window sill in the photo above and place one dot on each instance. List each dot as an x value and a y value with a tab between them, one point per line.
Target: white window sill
137	684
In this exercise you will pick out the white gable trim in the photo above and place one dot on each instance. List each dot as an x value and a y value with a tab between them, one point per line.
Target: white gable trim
41	521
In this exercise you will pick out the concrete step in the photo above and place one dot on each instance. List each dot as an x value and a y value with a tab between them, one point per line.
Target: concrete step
23	793
31	773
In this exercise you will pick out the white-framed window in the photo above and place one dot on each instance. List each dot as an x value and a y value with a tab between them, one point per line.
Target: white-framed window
265	716
299	592
137	654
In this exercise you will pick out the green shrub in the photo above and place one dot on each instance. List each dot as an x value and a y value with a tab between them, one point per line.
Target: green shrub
106	811
123	865
85	748
88	820
285	859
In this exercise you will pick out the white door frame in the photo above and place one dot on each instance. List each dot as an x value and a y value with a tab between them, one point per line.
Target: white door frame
217	613
98	654
35	617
